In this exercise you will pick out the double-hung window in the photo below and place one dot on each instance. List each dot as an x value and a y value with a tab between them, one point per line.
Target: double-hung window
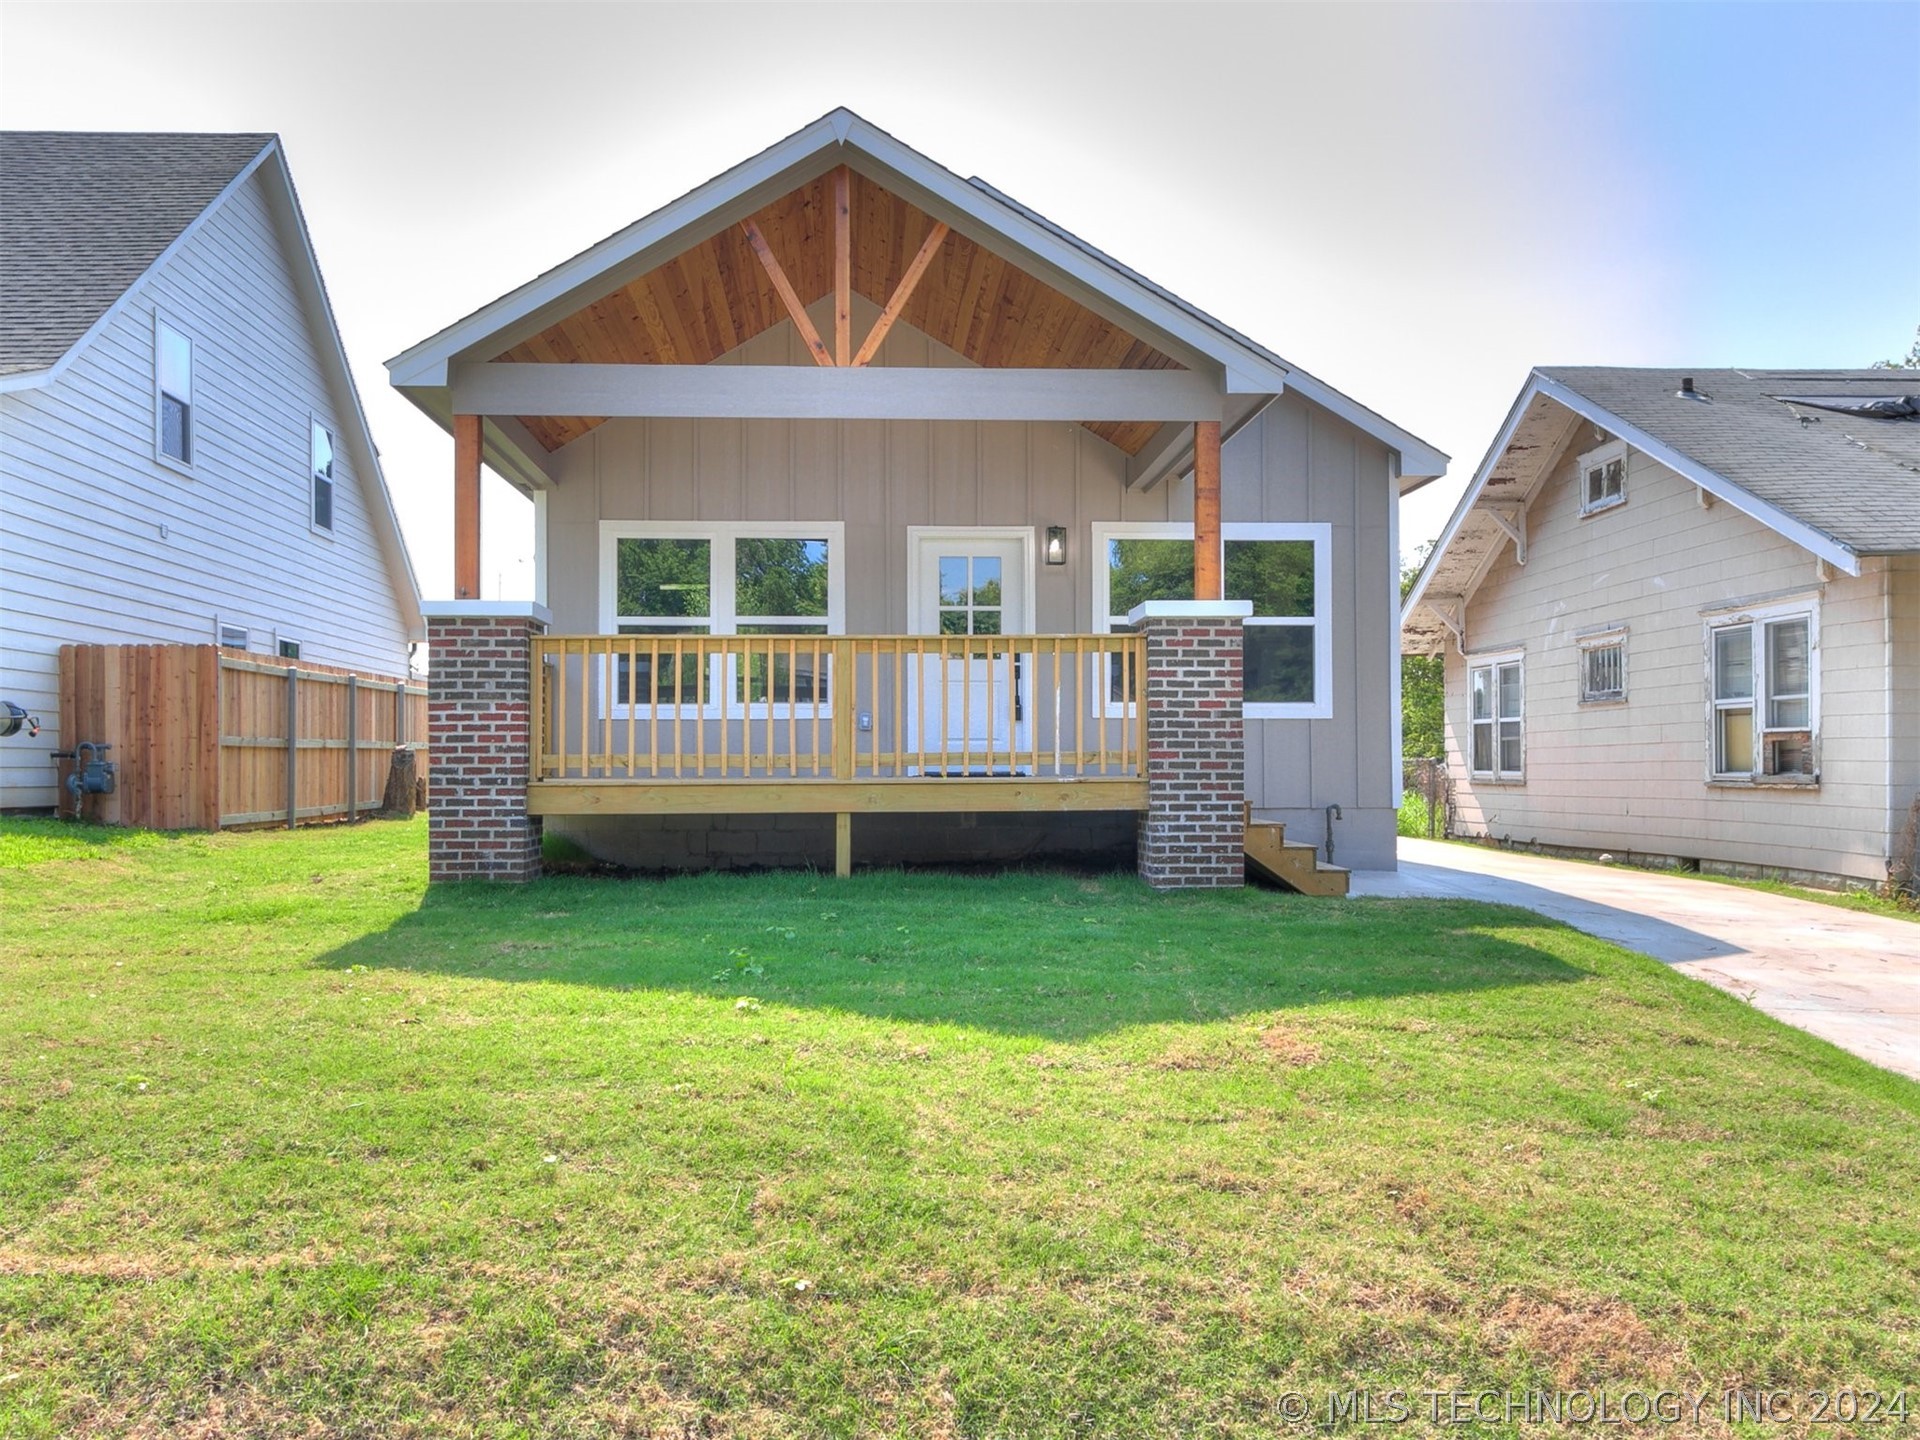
1603	477
321	472
1763	679
782	581
173	394
1284	569
1497	717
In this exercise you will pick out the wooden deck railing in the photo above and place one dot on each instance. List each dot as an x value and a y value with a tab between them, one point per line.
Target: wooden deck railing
659	708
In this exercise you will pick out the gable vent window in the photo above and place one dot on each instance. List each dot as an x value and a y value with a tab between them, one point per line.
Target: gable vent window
322	477
173	386
1603	669
1603	477
235	637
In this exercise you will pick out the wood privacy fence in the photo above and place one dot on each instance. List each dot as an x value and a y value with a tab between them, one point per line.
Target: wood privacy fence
202	737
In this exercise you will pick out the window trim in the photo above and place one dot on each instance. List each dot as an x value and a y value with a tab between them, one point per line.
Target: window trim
1320	532
1601	455
722	616
1615	636
314	422
1757	619
188	466
1494	661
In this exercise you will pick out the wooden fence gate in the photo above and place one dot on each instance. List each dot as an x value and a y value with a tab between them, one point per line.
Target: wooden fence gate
205	738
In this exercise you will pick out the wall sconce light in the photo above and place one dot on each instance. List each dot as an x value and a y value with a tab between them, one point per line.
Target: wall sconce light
1056	544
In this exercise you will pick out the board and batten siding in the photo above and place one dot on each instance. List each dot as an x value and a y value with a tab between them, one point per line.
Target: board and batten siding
84	501
1294	463
1631	778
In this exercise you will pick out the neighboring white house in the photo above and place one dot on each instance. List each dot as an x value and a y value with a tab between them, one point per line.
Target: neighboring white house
183	457
1681	620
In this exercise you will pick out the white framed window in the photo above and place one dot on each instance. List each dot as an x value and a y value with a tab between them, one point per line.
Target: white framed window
1603	668
287	649
772	578
1497	717
1603	477
1763	689
173	413
1285	569
320	474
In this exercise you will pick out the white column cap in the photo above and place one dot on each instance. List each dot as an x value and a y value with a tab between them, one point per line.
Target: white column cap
486	610
1190	610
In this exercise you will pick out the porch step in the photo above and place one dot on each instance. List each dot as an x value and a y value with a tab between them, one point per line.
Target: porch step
1290	863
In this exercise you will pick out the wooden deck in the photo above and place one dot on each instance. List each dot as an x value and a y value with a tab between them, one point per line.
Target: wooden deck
662	724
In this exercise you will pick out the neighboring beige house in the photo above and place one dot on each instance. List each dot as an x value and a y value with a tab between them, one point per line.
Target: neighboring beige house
849	476
1681	621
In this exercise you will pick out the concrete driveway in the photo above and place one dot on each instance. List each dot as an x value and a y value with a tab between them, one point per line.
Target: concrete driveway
1850	978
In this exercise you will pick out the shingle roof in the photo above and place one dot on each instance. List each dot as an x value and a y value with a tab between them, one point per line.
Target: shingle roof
1852	477
83	216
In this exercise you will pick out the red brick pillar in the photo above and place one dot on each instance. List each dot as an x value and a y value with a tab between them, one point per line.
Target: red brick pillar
1193	831
480	730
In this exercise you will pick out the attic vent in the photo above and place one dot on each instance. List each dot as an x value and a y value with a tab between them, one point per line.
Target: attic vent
1872	407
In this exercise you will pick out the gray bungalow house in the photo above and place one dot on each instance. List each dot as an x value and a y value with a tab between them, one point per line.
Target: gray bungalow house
878	518
1681	620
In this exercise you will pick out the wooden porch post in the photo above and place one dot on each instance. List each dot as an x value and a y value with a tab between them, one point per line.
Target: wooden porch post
1206	510
466	507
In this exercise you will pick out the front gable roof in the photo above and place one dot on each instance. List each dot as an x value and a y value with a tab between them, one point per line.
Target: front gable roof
87	218
1120	319
1840	483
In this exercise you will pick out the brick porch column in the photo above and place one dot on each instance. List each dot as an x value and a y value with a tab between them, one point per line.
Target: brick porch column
1193	831
479	730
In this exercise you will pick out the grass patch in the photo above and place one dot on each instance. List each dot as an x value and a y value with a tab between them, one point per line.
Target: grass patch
290	1144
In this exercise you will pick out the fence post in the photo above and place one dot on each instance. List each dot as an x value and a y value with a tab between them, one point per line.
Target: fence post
353	748
293	746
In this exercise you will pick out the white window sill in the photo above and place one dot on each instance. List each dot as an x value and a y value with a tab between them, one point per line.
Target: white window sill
1764	782
1602	507
1511	781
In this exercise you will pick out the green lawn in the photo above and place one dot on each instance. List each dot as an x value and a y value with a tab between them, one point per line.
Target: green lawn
291	1146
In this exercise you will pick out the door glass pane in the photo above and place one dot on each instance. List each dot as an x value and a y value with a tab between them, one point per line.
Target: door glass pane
1279	664
1143	570
1734	744
1276	575
663	577
986	580
986	622
953	582
780	577
1733	664
953	622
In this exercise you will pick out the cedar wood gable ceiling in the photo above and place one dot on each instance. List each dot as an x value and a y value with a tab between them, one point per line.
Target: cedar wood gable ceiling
717	296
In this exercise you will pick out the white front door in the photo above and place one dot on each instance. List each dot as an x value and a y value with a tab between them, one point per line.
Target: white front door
969	714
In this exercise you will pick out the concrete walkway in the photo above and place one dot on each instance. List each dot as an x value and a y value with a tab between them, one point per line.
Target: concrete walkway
1848	977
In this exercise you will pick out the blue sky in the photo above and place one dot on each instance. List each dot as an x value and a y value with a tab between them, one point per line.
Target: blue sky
1414	202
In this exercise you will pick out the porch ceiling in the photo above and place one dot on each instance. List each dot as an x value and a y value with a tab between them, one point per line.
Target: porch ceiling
716	296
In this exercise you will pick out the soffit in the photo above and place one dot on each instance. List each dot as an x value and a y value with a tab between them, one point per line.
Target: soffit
716	296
